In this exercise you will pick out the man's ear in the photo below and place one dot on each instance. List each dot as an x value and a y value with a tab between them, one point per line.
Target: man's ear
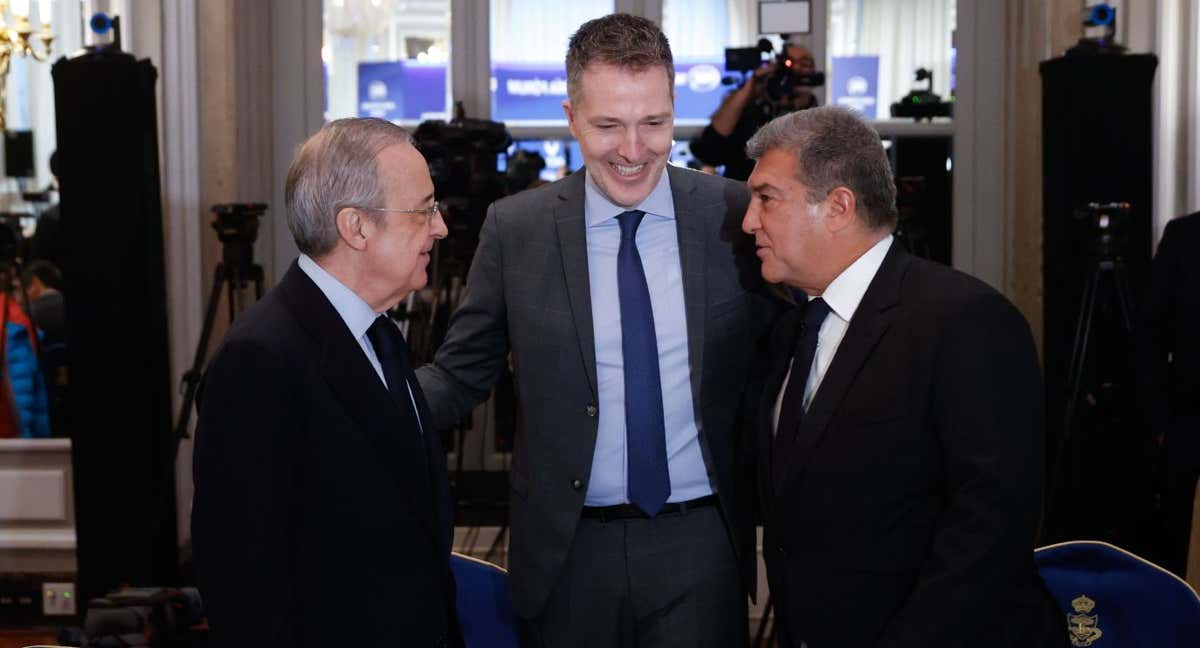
841	209
569	111
351	226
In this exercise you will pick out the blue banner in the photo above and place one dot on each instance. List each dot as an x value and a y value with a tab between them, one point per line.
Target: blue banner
395	90
536	92
855	84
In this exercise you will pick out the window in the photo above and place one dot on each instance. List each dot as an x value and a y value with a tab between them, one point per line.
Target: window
529	46
876	46
699	31
387	58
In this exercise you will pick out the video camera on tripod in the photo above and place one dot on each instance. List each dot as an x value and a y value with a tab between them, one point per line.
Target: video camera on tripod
236	225
462	158
1107	221
783	86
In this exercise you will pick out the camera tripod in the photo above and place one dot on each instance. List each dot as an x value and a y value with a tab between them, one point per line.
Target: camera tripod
1109	270
237	228
1096	382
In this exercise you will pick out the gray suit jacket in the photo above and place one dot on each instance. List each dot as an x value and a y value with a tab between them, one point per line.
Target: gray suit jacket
528	292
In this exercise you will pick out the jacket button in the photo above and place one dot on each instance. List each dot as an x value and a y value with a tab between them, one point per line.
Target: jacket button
576	484
591	410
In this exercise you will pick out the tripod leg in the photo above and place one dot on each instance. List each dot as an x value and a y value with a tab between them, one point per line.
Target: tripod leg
1124	300
191	379
233	296
1083	330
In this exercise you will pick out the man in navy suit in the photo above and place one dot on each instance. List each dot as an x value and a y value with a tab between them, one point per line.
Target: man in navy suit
322	515
900	438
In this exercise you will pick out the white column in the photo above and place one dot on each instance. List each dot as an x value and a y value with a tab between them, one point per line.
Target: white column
182	213
979	136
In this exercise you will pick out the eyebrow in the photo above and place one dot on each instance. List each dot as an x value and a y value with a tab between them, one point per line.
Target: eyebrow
763	187
428	198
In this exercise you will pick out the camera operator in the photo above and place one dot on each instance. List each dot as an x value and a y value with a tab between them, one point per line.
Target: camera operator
743	111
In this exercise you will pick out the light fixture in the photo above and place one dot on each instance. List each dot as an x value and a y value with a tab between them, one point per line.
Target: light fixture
16	41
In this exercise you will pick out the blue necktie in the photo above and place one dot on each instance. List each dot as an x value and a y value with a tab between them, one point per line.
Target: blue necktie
649	478
791	412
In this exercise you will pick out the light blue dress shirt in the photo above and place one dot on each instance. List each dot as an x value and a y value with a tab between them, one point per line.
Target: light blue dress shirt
356	313
658	246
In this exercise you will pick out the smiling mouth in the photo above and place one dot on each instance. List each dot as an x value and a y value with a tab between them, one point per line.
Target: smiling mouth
627	171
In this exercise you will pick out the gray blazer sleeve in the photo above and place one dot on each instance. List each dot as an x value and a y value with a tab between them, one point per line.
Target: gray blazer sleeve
475	350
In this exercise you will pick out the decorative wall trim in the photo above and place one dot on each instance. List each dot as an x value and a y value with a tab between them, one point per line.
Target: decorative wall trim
33	495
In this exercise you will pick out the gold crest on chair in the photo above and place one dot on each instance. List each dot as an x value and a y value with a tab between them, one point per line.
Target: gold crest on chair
1083	628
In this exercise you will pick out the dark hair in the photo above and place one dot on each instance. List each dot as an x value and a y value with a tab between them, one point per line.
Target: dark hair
619	39
834	148
46	272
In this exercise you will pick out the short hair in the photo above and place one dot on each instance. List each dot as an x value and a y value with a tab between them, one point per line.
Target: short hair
334	169
834	148
44	271
622	40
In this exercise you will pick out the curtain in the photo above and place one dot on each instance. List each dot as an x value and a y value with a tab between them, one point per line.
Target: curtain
1177	112
905	35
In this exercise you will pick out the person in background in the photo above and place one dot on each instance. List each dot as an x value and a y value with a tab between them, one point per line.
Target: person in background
43	285
1168	343
723	141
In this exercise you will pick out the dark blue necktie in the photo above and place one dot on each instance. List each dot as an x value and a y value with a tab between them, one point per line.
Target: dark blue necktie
392	352
791	412
649	478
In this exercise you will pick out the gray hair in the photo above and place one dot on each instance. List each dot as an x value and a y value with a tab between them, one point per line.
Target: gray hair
335	169
834	148
620	39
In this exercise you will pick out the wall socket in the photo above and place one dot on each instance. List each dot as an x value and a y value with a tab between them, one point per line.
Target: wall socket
58	599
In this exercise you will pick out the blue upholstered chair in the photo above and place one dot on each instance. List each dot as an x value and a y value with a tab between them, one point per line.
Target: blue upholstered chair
484	607
1111	598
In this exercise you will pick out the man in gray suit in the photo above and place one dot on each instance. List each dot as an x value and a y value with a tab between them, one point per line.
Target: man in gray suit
626	296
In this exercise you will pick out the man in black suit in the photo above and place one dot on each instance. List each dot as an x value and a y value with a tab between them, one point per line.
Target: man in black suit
626	303
321	513
900	455
1169	381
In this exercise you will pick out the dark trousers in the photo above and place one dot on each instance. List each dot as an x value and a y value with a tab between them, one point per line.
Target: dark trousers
647	583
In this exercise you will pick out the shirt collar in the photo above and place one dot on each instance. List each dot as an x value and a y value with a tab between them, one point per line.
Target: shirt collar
598	208
846	291
356	313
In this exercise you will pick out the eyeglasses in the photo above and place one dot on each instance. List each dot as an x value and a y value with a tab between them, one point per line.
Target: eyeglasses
427	212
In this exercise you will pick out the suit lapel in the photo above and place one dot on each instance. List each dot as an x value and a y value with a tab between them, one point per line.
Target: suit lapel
572	243
868	325
781	345
357	386
690	226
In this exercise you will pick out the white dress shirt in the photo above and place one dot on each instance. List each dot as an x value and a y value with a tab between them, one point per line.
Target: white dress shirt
843	295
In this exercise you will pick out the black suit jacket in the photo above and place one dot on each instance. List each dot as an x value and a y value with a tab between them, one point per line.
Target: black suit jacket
907	512
528	293
1169	341
320	516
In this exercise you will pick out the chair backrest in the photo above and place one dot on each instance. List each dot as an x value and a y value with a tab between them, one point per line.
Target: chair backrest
484	608
1112	598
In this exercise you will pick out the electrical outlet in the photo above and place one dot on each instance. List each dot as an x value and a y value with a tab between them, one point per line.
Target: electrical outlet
58	599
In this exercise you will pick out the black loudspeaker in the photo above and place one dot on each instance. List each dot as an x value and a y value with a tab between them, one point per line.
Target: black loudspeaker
18	154
119	413
1097	148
